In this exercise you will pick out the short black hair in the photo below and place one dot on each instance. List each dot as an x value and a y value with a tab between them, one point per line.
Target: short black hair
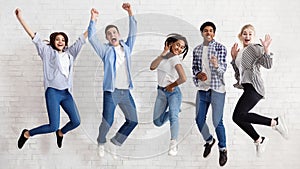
208	24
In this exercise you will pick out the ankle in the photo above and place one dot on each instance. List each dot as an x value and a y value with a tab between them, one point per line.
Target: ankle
259	140
274	122
27	134
60	134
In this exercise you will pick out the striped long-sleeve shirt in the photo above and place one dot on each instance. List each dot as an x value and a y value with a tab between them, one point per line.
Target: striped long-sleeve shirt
253	57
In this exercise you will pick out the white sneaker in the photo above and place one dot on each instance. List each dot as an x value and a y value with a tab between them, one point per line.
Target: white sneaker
173	148
112	149
281	128
261	147
101	150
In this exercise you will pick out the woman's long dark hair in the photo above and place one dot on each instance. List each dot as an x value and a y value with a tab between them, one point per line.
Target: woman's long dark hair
53	36
173	37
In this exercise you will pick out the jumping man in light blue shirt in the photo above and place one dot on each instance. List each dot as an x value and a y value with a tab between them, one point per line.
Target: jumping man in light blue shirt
116	56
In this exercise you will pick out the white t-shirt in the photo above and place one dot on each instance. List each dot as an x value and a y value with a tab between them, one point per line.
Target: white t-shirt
121	69
238	62
205	85
64	60
166	71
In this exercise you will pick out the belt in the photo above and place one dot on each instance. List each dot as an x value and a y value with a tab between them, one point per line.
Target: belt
161	88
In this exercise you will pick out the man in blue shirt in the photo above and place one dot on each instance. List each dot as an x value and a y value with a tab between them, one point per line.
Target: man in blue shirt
209	66
117	82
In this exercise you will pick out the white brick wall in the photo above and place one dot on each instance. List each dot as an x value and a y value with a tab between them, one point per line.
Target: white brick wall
22	102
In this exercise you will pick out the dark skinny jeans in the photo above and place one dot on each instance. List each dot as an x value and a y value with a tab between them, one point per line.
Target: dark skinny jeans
241	115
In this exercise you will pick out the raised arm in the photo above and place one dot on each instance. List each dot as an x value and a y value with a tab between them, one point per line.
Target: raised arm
23	23
97	45
93	20
132	26
156	62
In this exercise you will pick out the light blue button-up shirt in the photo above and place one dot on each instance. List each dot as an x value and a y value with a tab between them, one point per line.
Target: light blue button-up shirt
53	76
108	55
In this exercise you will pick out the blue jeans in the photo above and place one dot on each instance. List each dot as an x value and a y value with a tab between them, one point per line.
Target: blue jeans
126	103
165	100
203	100
54	99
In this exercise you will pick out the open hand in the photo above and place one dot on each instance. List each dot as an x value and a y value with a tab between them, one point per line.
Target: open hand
266	43
234	51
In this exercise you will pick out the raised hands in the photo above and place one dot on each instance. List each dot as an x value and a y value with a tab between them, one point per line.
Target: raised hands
166	49
127	7
94	14
266	43
234	51
23	23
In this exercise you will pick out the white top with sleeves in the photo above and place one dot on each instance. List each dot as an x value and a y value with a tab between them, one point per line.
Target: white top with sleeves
166	71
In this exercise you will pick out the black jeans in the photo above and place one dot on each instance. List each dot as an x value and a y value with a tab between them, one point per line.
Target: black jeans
241	115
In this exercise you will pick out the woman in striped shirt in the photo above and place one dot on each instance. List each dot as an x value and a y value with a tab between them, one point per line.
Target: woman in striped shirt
246	63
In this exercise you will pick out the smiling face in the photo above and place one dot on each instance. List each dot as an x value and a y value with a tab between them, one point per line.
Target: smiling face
246	35
59	43
177	47
113	36
208	34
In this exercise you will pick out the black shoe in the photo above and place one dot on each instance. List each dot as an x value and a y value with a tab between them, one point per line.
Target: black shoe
58	139
22	139
208	148
223	157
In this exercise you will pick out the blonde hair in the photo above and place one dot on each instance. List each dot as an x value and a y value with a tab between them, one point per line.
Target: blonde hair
248	26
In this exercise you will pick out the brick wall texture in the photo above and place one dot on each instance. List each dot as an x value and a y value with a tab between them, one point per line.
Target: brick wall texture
22	102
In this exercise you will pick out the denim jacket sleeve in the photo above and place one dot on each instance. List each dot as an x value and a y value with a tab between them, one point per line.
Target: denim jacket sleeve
98	46
132	32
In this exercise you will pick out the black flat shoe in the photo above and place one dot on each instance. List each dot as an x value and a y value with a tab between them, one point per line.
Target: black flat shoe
22	139
208	147
58	139
223	158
